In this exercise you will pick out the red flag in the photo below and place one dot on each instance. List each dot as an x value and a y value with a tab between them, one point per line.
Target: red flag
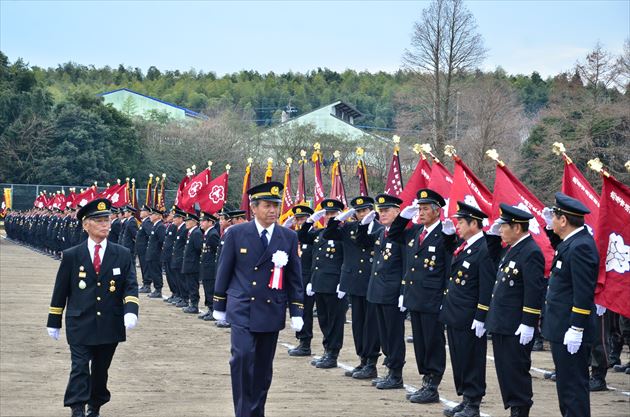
509	190
85	197
59	201
469	189
575	185
318	191
189	194
394	186
247	181
613	244
182	186
211	197
40	201
337	189
300	197
117	194
287	200
362	174
419	179
70	198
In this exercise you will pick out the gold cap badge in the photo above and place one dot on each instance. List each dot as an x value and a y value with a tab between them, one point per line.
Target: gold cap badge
424	194
298	210
359	201
275	190
381	199
330	204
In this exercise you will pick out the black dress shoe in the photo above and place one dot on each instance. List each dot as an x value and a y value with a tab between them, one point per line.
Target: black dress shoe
426	396
411	394
468	411
208	317
222	324
327	362
191	309
367	372
621	368
377	380
93	411
169	299
144	290
519	412
315	361
78	411
450	412
353	370
156	294
391	382
182	303
597	384
203	314
303	349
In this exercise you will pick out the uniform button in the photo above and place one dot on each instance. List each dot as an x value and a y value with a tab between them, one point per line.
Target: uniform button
317	267
363	250
317	259
361	260
320	248
98	298
376	273
360	271
255	268
253	282
98	313
253	298
413	269
98	284
268	300
410	282
416	256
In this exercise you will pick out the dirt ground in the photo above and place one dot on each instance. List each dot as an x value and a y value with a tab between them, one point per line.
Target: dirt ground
176	365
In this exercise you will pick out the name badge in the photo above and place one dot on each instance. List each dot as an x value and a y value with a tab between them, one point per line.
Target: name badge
388	245
559	264
431	248
512	264
243	250
466	264
305	246
116	271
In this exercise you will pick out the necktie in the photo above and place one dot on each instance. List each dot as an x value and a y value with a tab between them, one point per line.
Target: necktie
459	249
97	259
263	238
422	236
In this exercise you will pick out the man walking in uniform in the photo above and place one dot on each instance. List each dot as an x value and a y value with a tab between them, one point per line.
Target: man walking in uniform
258	276
97	282
569	309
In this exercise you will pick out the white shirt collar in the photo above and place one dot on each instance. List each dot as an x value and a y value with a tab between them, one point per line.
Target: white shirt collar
474	238
576	231
521	239
91	244
429	229
158	220
181	225
260	229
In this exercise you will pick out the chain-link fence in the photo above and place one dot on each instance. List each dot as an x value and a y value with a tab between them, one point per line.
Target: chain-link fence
23	195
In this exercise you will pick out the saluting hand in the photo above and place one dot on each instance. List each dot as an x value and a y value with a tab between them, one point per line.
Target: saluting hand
448	228
342	217
547	214
316	216
410	211
289	222
368	218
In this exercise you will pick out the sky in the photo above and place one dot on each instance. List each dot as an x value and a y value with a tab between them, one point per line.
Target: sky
281	36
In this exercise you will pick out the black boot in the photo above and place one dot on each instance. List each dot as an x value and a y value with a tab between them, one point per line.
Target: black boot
356	368
430	392
93	411
192	308
378	380
597	384
329	362
314	362
394	380
182	303
450	412
144	289
538	345
519	412
208	316
368	371
156	294
303	349
470	410
78	411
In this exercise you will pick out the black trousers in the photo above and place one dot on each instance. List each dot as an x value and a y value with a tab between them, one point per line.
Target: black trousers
468	358
88	375
171	278
512	362
601	348
153	271
143	270
192	286
429	344
572	380
180	278
208	280
331	315
307	330
364	333
251	367
391	333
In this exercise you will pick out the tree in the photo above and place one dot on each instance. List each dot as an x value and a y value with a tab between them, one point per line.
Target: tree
598	71
444	45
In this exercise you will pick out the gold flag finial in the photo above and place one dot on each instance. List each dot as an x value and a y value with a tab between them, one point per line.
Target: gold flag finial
336	154
494	155
317	146
250	160
558	148
396	139
107	185
596	165
118	181
449	150
127	179
133	180
193	167
209	164
627	165
269	160
360	151
150	175
164	175
426	148
289	161
227	167
303	153
96	183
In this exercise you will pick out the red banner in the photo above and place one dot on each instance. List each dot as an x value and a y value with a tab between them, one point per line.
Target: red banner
181	187
212	196
193	187
394	186
337	189
287	199
441	182
509	190
117	194
419	179
318	191
300	197
362	174
613	244
85	197
575	185
469	189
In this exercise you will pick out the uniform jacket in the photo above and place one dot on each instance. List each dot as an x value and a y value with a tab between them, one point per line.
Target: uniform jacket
129	234
327	259
114	230
427	265
169	241
385	284
243	274
156	241
572	288
518	289
192	251
123	223
142	237
208	260
177	258
357	261
469	290
306	260
94	315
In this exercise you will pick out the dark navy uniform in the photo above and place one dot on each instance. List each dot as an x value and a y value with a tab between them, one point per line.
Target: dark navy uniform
115	229
208	260
165	259
190	264
177	261
142	240
467	298
130	232
516	299
570	306
153	255
355	276
256	311
95	305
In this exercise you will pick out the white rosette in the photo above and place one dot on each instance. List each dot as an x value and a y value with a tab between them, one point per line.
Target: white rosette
279	259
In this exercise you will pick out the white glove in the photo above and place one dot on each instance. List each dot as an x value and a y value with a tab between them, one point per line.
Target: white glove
600	310
52	332
448	228
131	320
478	327
289	222
368	218
309	290
400	304
573	340
342	217
410	211
297	323
314	218
526	332
218	315
495	229
340	294
547	214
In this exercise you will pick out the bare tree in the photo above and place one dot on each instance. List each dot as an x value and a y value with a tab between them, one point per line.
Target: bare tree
444	44
599	71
